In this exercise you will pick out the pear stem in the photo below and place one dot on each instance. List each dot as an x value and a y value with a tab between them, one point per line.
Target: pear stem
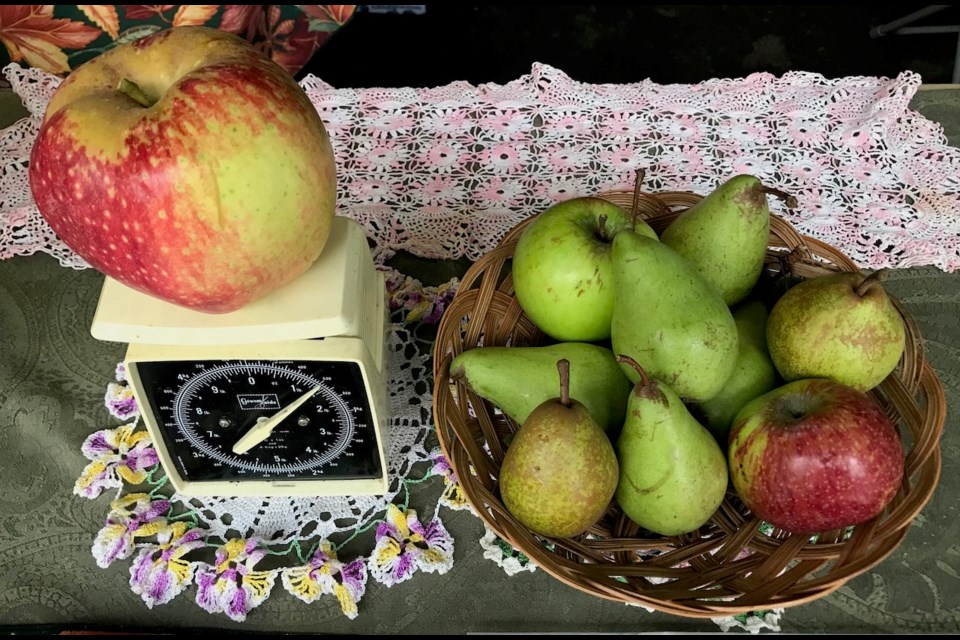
637	184
134	92
871	280
602	227
563	366
644	376
788	199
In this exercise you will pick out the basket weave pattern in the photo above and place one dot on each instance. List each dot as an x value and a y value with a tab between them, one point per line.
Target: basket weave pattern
730	565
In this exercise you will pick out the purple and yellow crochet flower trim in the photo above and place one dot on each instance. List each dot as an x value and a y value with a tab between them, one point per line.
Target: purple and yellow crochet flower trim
172	551
404	546
453	496
160	573
116	456
324	574
421	303
233	585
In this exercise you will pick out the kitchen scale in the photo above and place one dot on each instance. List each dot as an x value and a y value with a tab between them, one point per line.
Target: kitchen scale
284	397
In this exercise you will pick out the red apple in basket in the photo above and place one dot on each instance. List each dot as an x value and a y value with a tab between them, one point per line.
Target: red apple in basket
815	455
187	166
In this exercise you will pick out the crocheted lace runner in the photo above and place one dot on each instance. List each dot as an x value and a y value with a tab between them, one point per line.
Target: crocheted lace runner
445	173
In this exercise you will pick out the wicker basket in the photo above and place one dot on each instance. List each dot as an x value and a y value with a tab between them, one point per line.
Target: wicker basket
732	564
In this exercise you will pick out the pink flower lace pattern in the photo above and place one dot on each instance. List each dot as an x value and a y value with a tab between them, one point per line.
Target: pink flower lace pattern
445	172
873	178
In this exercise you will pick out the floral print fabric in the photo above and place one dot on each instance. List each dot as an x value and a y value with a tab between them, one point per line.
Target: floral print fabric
59	38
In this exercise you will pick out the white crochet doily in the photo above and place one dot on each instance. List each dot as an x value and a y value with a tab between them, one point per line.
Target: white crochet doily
282	520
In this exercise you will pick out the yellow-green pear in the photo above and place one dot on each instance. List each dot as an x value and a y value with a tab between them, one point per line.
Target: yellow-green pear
673	474
560	472
840	326
669	319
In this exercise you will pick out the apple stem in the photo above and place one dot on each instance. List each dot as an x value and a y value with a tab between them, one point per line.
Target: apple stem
602	227
563	366
873	279
644	376
134	92
637	184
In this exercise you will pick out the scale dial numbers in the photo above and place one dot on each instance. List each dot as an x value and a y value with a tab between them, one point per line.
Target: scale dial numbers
203	408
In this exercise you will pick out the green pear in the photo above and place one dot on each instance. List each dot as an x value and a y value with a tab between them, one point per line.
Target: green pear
753	375
560	472
673	474
561	268
669	319
518	379
725	236
840	326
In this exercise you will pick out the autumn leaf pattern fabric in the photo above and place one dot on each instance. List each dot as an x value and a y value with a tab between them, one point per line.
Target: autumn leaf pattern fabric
58	38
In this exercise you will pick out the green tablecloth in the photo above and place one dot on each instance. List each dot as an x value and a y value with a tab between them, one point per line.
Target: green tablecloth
53	375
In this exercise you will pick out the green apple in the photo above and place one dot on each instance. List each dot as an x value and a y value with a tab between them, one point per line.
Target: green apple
562	271
187	166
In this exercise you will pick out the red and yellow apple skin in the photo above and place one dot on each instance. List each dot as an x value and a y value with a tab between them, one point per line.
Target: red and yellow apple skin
815	455
220	191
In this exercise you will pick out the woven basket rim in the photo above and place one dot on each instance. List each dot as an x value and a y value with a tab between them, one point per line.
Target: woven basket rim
782	570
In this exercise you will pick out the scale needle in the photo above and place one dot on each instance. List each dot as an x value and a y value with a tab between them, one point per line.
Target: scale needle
262	430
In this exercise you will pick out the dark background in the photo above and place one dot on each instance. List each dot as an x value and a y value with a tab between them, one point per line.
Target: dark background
628	43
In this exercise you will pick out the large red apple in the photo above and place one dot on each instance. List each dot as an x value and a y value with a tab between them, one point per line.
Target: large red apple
815	455
187	166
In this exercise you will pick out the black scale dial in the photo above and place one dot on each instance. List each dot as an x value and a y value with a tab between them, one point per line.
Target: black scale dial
203	408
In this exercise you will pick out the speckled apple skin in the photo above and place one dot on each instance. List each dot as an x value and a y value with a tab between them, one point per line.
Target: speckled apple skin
218	193
838	466
562	271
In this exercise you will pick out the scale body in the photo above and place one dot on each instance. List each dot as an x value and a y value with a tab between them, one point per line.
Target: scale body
202	381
